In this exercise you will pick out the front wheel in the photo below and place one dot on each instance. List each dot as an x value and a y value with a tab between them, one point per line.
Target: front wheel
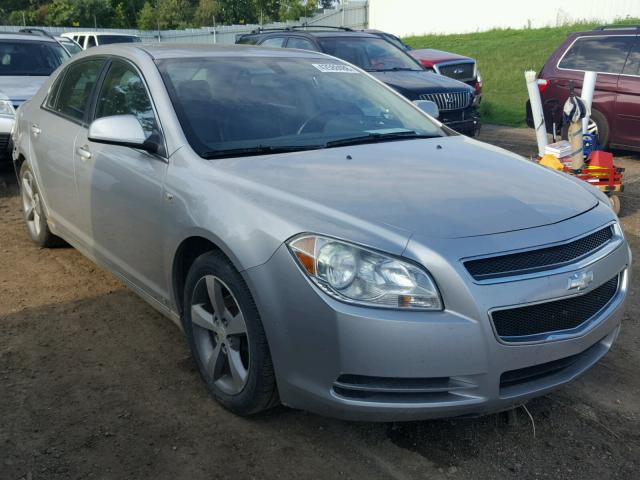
33	211
226	336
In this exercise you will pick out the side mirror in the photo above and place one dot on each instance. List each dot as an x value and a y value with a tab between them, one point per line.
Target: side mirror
124	130
428	107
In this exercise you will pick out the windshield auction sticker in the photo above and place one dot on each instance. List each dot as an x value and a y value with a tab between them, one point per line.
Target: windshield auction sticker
334	68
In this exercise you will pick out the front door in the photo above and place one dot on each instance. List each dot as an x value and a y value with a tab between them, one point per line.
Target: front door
120	189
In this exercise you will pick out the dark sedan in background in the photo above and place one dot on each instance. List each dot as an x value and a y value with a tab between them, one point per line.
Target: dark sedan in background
456	101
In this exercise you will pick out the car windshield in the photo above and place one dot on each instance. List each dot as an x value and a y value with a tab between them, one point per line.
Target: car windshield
255	105
106	39
371	54
27	57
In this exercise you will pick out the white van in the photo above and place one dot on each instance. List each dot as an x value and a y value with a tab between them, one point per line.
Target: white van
93	39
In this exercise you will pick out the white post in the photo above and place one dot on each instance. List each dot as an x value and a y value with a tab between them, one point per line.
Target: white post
214	29
588	87
536	111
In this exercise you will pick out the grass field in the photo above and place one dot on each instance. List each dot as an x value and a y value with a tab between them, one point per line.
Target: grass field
503	56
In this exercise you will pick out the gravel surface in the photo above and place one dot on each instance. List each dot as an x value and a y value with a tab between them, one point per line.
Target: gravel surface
95	384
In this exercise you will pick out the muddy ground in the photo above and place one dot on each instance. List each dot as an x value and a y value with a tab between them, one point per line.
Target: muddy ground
95	384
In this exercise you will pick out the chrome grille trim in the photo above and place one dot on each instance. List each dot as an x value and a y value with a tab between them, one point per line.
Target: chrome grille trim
449	101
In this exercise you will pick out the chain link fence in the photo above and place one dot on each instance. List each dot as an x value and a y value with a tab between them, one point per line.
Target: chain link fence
353	14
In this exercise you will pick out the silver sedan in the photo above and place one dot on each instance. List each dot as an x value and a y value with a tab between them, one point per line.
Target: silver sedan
321	241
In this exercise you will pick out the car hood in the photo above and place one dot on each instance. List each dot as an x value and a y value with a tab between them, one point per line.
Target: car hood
433	56
22	88
418	82
447	187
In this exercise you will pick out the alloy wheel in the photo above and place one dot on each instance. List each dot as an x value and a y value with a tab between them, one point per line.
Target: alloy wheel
220	334
31	204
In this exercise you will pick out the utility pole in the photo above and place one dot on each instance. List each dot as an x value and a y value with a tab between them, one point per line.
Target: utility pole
24	20
214	28
95	22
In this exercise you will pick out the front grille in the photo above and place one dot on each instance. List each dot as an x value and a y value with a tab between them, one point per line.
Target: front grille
4	142
554	316
538	260
449	101
459	71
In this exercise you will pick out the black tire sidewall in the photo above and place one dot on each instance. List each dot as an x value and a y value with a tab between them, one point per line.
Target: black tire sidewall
257	395
44	237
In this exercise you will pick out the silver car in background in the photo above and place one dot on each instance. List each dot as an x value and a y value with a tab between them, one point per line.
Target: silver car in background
26	60
321	241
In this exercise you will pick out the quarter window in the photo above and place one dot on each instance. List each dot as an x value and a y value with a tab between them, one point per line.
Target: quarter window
598	54
633	62
76	88
273	42
91	41
123	93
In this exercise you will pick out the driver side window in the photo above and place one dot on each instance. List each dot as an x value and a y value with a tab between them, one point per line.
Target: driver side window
123	93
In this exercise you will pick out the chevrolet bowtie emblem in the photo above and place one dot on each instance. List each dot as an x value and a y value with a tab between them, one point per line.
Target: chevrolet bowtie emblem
580	280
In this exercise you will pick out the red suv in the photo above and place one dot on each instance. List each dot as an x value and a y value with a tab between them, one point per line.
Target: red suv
613	52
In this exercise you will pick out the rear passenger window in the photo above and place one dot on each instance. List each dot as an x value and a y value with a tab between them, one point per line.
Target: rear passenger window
273	42
302	43
91	41
633	62
75	90
80	40
598	54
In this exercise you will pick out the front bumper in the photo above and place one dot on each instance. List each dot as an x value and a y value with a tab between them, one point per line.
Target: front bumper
356	363
466	121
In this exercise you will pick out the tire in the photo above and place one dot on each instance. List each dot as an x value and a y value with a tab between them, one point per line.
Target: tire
33	211
615	203
601	125
230	348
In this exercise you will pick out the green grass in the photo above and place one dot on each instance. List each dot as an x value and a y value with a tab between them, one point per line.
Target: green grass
503	56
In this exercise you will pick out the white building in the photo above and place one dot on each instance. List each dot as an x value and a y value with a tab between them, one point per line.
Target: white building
415	17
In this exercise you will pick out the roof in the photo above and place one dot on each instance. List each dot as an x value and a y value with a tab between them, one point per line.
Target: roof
90	32
179	50
25	37
313	33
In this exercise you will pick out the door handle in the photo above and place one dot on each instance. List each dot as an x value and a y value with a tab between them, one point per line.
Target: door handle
84	153
35	130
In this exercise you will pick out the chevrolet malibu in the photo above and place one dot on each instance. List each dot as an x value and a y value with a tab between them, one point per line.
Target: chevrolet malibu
321	241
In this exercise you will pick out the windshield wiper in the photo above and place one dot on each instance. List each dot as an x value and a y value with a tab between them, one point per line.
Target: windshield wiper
396	69
374	137
257	150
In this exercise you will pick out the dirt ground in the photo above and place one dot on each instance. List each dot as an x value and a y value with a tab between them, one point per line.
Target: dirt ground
95	384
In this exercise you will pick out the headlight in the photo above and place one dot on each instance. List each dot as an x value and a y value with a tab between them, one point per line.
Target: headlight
6	109
358	275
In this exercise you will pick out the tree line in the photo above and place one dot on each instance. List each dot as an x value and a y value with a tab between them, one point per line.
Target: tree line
154	14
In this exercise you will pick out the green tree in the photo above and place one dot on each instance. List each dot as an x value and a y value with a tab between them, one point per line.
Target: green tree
238	11
294	9
120	17
147	17
173	13
205	12
61	13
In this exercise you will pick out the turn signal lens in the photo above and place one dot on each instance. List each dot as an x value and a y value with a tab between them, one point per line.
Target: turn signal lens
358	275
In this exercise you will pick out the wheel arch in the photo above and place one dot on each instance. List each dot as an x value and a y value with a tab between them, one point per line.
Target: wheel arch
190	248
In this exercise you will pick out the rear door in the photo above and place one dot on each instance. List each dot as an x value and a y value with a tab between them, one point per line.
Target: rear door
605	54
627	122
53	135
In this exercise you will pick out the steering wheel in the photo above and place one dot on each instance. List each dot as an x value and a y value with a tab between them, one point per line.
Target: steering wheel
314	118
